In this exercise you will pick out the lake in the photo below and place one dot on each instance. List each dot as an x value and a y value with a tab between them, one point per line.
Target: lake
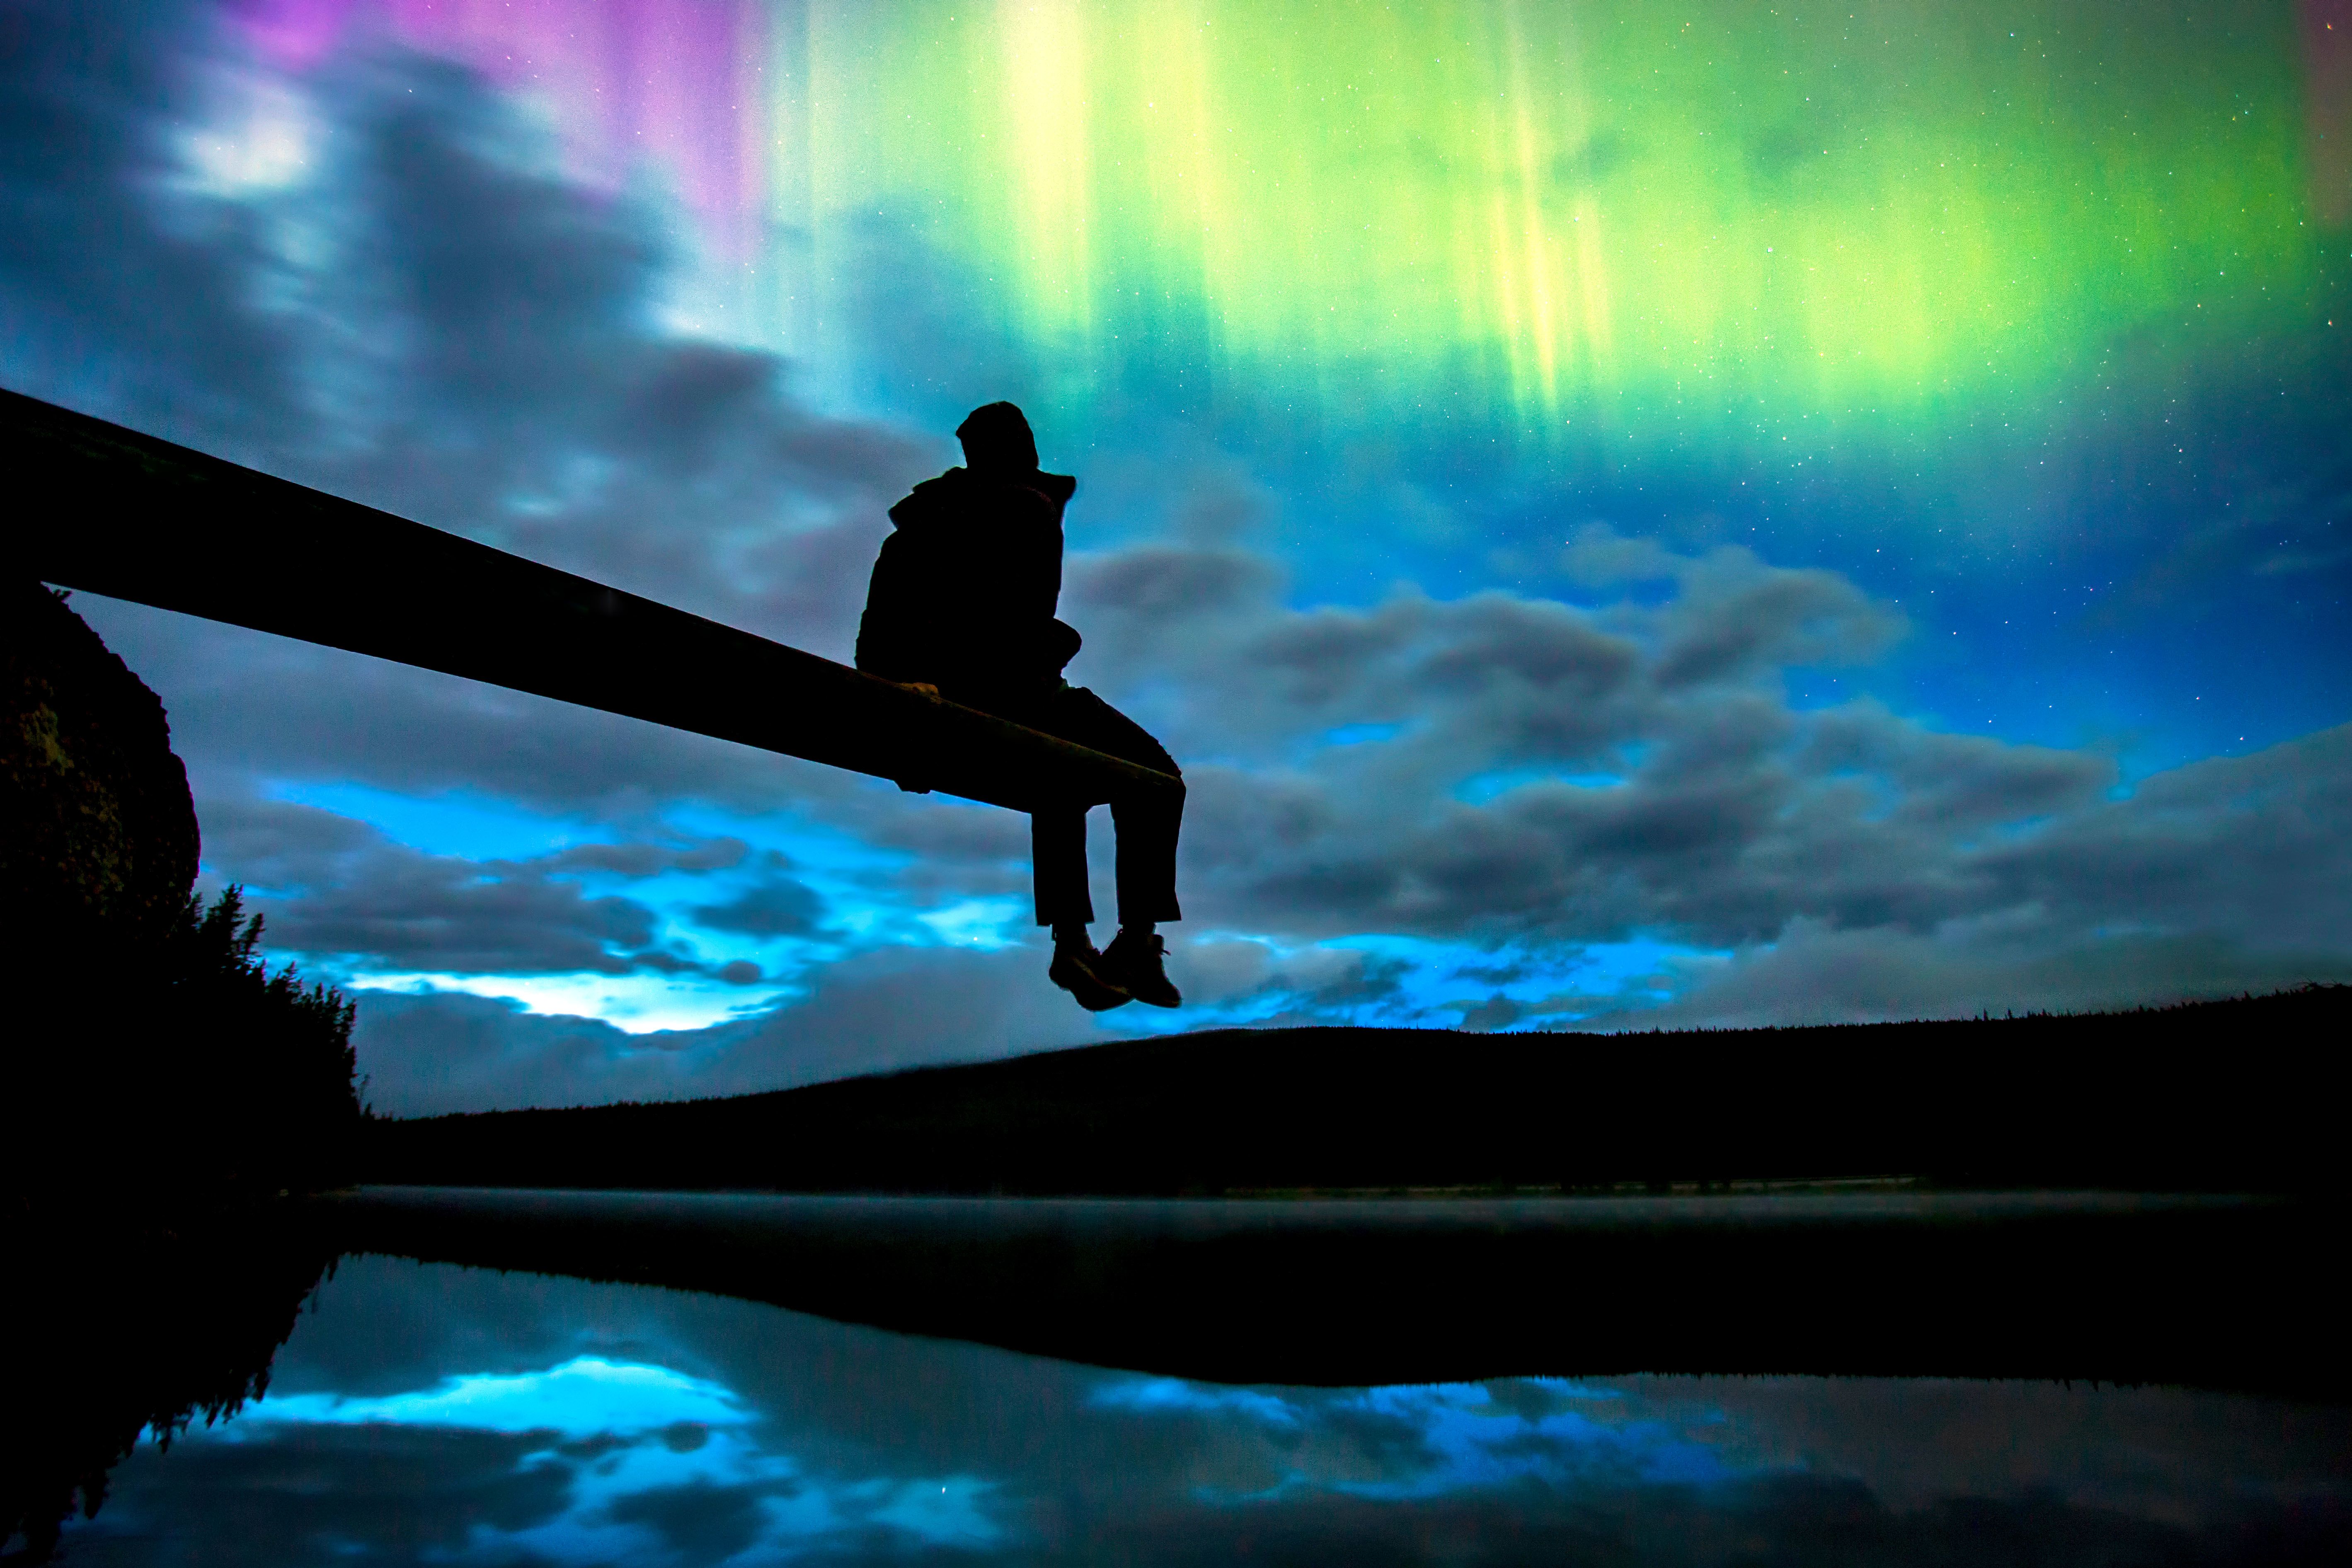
433	1411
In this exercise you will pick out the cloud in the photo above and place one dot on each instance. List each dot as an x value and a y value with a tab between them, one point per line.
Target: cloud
1860	864
434	321
427	317
442	915
113	289
776	905
424	1054
884	1007
1815	974
1540	768
527	396
721	854
339	891
2258	847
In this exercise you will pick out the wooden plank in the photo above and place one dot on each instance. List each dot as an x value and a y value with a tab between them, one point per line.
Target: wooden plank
107	511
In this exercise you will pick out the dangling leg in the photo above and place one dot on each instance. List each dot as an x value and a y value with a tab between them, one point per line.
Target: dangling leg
1137	957
1057	856
1146	830
1146	825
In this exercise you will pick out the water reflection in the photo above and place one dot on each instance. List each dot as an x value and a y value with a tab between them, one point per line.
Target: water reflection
641	1449
425	1411
115	1334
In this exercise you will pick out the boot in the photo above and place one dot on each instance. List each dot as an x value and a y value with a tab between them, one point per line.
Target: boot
1135	962
1077	968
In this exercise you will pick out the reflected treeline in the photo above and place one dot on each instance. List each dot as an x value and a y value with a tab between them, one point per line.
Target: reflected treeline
2213	1096
170	1076
435	1414
117	1333
2212	1292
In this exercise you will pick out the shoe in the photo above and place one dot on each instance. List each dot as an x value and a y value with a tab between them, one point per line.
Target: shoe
1136	963
1077	969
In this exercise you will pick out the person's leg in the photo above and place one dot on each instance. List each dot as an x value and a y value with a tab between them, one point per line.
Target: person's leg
1058	850
1146	830
1148	825
1057	857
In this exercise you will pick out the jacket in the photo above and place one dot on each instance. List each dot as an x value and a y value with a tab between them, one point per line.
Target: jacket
964	590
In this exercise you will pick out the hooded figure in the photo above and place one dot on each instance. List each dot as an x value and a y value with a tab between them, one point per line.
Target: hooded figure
963	593
962	602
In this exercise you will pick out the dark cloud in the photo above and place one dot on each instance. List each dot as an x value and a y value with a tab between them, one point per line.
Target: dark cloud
406	911
522	310
873	1011
1498	1011
1715	812
1491	974
448	377
649	859
424	1493
700	1521
118	290
2019	961
424	1054
339	891
775	906
887	1008
906	1007
1765	621
1651	775
268	844
957	832
247	706
2255	848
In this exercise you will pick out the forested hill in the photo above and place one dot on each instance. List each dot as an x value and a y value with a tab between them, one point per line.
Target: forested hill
2228	1095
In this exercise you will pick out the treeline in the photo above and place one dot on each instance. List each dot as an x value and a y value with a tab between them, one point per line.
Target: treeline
2228	1095
151	1067
174	1074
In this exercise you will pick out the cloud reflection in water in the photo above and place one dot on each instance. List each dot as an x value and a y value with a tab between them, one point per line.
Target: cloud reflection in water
1420	1441
431	1413
630	1436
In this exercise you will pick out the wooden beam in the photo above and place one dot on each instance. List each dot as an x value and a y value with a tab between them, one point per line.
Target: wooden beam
106	510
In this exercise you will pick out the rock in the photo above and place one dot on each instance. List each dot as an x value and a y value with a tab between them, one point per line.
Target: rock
98	832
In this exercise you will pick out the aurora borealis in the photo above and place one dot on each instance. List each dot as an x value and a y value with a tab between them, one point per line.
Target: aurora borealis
1682	223
1799	275
1960	389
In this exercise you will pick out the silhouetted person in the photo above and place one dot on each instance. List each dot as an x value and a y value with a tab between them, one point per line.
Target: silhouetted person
962	605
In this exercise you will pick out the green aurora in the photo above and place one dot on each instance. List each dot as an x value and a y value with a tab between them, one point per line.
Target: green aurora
1715	225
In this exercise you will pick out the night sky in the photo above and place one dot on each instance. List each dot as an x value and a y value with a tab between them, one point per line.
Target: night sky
1629	514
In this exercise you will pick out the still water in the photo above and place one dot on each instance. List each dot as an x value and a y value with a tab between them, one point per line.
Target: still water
424	1412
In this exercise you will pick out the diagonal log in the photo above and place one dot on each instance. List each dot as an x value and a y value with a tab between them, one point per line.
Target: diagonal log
93	506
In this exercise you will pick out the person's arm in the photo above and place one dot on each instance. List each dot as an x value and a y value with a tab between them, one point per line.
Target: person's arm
1056	641
888	643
